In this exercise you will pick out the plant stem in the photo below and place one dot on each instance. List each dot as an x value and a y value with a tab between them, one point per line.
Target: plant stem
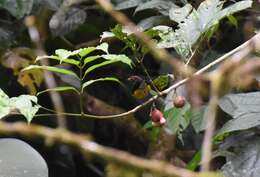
81	91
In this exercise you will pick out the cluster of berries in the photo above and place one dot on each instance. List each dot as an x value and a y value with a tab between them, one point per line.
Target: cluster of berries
157	116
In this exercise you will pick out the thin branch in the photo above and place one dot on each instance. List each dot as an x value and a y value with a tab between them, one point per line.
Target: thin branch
49	78
211	115
89	147
235	51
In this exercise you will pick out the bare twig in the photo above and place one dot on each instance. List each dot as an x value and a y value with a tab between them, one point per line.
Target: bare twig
49	78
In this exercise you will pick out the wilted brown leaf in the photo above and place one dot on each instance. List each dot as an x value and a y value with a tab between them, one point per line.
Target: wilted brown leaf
19	58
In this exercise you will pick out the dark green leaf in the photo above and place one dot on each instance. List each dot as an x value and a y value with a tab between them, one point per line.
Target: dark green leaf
244	109
66	19
17	8
162	6
244	161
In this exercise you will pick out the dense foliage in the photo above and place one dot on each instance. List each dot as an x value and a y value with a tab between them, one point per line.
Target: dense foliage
155	107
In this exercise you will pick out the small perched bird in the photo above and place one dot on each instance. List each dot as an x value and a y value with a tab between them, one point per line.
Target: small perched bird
142	88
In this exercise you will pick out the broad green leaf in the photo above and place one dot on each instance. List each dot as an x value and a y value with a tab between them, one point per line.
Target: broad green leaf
88	83
178	118
243	108
243	161
91	58
17	8
85	51
24	104
197	23
69	61
65	19
103	47
59	89
52	69
162	6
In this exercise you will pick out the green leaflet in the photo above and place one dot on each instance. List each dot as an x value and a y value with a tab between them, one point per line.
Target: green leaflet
103	47
111	59
85	51
122	58
93	67
64	54
88	83
69	61
52	69
59	89
91	58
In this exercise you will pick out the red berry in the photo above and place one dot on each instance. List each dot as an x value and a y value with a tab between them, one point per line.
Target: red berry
179	101
156	115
